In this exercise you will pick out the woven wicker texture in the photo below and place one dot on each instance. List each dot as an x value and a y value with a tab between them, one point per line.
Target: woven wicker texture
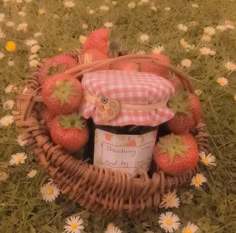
92	187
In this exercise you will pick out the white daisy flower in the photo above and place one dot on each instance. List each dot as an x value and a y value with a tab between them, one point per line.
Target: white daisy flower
84	26
209	31
35	48
131	5
159	49
10	24
230	26
144	38
28	1
32	173
1	55
154	8
11	63
104	8
49	192
69	4
19	1
9	104
221	27
42	11
108	24
182	27
194	5
114	3
208	160
37	34
198	180
186	45
33	63
230	66
111	228
18	158
82	39
6	121
33	56
91	11
190	228
144	1
186	62
10	88
170	200
222	81
169	222
74	224
2	17
167	8
22	27
21	141
31	42
198	92
22	13
207	51
206	38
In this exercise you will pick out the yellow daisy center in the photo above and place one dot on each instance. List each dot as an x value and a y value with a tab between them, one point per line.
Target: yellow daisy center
50	191
10	46
169	221
205	160
187	230
198	180
19	159
73	226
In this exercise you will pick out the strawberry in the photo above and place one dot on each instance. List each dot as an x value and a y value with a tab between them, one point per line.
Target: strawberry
91	55
176	154
131	143
69	131
57	64
154	68
188	112
62	94
47	116
98	39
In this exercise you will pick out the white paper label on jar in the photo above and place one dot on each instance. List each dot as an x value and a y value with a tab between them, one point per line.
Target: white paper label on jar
128	153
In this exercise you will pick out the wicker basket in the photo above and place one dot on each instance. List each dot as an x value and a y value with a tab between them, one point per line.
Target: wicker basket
97	189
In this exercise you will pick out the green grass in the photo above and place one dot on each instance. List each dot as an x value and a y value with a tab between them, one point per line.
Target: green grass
214	211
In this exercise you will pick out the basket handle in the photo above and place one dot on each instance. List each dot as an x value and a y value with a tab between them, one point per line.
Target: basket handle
79	70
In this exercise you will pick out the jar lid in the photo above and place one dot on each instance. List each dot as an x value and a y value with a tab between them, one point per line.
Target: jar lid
118	98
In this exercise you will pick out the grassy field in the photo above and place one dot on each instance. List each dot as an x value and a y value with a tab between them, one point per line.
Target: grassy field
203	32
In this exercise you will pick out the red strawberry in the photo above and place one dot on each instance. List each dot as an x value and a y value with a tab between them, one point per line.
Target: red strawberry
47	116
154	68
62	94
57	64
98	39
91	55
176	155
69	131
188	112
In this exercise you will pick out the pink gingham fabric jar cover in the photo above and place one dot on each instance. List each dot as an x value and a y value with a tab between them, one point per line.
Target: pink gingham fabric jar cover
119	98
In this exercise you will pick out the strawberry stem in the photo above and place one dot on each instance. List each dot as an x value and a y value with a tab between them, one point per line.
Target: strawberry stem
73	120
63	90
180	103
173	145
